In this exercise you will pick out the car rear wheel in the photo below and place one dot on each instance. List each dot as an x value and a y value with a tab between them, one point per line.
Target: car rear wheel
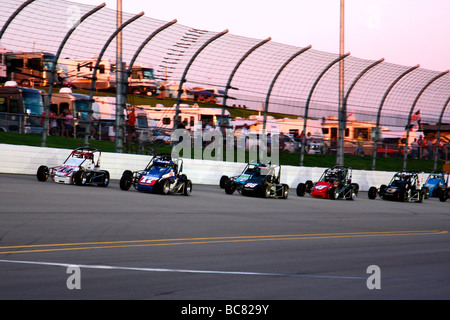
285	191
351	195
126	181
43	173
266	193
444	195
105	179
187	188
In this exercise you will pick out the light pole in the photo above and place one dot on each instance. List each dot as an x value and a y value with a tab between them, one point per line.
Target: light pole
342	111
119	84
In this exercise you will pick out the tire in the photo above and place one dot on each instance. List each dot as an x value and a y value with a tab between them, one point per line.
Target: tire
382	188
350	195
444	195
165	187
229	187
372	193
187	188
421	195
403	196
266	193
301	189
223	181
333	193
355	188
105	179
80	178
309	186
42	173
426	192
285	194
126	181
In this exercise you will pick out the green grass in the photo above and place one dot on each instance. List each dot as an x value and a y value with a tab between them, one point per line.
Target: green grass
321	161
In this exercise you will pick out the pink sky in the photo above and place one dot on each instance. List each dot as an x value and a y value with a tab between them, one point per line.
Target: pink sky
406	32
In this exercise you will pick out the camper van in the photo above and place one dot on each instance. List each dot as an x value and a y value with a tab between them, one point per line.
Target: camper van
79	74
192	117
3	70
30	68
142	81
21	109
79	106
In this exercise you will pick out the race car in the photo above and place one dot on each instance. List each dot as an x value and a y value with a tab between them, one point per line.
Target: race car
405	186
335	183
250	169
436	183
81	167
163	175
259	180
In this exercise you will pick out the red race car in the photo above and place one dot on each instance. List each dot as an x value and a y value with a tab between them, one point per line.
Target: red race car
334	183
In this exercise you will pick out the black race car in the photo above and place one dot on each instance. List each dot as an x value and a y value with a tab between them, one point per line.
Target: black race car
405	186
250	169
264	182
163	175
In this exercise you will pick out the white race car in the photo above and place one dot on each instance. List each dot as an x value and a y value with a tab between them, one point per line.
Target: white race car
81	167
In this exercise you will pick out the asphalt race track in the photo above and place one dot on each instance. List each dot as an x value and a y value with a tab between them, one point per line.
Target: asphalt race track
212	246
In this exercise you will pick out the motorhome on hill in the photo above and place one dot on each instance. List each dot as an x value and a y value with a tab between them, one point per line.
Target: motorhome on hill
191	116
79	72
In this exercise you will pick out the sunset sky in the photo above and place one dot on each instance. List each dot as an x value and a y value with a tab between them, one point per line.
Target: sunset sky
406	32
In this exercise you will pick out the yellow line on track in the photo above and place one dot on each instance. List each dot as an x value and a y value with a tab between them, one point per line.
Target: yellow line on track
209	240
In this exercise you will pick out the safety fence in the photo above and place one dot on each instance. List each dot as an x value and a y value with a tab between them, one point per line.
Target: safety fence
253	73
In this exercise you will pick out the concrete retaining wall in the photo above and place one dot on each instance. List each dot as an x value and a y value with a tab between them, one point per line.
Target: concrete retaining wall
26	160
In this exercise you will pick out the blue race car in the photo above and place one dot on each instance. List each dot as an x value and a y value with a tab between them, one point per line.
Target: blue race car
162	175
436	183
258	180
237	181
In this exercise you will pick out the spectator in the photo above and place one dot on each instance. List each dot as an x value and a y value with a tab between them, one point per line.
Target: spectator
421	144
360	148
67	126
131	124
414	149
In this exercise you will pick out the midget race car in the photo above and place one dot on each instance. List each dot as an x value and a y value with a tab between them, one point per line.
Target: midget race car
436	183
405	186
258	180
81	167
250	169
335	183
163	175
